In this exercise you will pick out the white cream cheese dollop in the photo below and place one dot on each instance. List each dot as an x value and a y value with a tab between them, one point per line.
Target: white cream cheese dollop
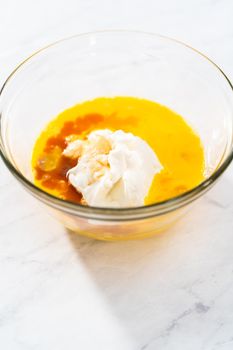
114	169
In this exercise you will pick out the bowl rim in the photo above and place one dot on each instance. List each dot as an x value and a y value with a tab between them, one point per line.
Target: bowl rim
106	213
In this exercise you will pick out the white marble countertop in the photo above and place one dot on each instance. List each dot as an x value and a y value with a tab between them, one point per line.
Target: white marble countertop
61	291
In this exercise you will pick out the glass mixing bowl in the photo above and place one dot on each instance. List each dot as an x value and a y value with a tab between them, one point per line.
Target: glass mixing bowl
116	63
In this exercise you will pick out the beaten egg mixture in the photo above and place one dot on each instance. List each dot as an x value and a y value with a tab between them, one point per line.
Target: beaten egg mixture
175	144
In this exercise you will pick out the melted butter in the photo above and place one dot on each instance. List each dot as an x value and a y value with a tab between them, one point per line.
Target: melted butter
177	146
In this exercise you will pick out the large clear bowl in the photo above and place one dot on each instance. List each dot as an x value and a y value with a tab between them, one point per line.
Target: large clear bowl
116	63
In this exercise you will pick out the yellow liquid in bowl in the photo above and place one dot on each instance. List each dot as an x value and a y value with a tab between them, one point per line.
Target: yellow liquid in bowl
177	146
